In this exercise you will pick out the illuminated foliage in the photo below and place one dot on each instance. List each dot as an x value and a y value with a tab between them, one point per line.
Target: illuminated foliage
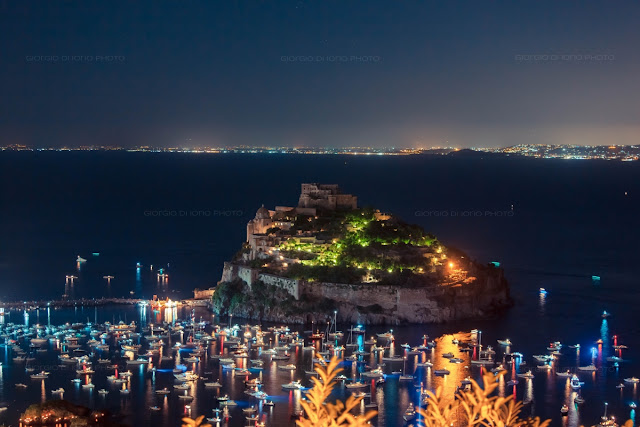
198	422
320	413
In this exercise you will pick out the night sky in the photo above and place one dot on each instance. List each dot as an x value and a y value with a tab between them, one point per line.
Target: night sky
319	73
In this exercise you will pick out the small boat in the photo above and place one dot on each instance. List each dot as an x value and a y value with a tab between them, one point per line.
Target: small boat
41	376
576	346
269	403
565	374
355	385
633	405
578	400
409	413
620	385
588	368
163	391
293	385
564	410
80	259
154	408
88	386
58	391
20	385
289	367
528	375
632	380
512	382
214	384
448	355
575	382
505	342
441	372
605	314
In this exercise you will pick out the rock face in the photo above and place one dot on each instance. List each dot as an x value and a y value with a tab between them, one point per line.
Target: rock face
370	303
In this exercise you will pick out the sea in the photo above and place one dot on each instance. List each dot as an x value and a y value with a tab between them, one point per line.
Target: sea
568	226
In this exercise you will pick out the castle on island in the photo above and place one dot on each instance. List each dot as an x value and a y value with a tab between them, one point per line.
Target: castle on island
370	266
314	197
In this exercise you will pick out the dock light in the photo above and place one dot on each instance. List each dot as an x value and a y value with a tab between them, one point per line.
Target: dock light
450	265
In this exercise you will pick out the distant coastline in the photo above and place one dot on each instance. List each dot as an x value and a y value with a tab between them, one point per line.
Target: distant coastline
537	151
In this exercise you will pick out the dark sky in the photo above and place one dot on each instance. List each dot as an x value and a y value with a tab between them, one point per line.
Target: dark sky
319	73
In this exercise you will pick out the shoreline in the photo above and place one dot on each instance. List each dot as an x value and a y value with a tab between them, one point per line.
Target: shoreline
32	305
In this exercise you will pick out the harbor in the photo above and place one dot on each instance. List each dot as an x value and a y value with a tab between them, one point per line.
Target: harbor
158	365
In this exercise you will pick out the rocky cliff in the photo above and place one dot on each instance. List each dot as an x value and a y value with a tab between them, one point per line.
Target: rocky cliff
364	303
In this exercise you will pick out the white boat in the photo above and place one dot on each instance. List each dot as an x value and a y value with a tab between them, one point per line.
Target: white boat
512	382
214	384
289	367
80	259
164	391
356	385
41	376
575	382
293	385
632	380
103	391
588	368
88	386
505	342
57	391
528	375
565	374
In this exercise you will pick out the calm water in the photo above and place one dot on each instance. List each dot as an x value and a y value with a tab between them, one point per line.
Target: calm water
569	221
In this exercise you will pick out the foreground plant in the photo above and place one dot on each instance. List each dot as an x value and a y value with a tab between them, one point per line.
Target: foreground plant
198	422
320	413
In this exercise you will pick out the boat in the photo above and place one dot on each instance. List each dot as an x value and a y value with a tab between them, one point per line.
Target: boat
633	405
269	403
605	314
512	382
505	342
154	408
293	385
620	385
409	413
441	372
88	386
588	368
448	355
578	400
80	259
20	385
289	367
355	385
163	391
41	376
103	391
57	391
575	382
528	375
564	410
565	374
214	384
632	380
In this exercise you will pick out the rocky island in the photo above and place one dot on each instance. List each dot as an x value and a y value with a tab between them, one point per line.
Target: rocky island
327	257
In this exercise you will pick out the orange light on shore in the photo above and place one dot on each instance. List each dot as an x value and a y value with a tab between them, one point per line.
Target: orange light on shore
450	265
